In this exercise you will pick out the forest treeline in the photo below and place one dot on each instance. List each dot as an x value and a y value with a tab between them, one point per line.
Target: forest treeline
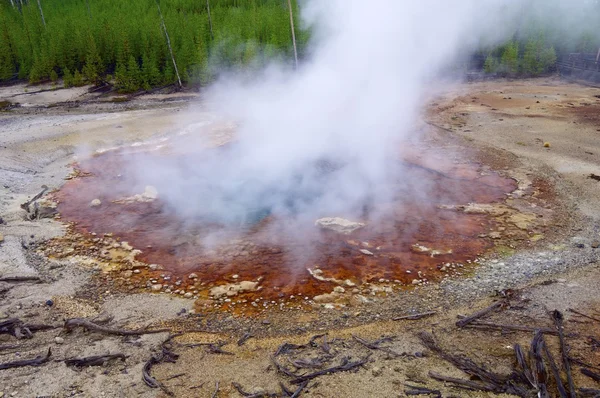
123	41
90	41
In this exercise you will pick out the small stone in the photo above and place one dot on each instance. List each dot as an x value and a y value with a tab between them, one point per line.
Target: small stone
416	281
1	238
127	274
155	267
366	252
193	276
377	371
136	271
595	244
95	203
156	288
188	295
49	303
546	145
339	289
59	340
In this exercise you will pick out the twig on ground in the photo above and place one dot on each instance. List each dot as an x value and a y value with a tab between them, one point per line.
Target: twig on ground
414	317
416	390
216	393
557	316
554	368
468	384
506	327
465	321
37	361
96	360
345	366
376	345
165	355
592	375
70	324
24	278
583	315
244	338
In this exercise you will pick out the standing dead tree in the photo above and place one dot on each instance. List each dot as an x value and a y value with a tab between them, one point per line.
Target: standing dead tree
293	33
162	21
212	36
41	13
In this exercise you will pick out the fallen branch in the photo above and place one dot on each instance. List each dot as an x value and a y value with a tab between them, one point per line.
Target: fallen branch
287	347
20	330
583	315
463	363
244	338
465	321
37	361
414	317
216	393
25	206
467	384
416	390
282	369
554	368
592	375
298	391
505	327
539	367
96	360
557	316
24	278
589	392
376	345
345	366
165	355
214	348
70	324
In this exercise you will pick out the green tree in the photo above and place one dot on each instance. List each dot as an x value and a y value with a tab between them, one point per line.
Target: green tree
490	65
67	78
509	60
78	79
93	64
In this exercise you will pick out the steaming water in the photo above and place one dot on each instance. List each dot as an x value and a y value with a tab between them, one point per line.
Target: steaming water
356	96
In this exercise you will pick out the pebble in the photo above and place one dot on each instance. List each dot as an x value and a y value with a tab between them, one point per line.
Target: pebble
595	244
156	288
377	371
95	203
155	267
136	271
59	340
193	276
188	295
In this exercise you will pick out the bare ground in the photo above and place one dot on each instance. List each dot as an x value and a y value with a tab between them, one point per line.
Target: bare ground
543	132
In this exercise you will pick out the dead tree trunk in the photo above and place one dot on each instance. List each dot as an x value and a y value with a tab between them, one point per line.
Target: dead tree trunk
162	21
87	2
212	36
41	13
293	33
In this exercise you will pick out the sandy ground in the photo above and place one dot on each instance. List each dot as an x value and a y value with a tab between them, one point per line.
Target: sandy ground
544	133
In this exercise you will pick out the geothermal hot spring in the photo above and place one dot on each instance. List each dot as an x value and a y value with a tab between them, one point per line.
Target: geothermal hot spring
234	248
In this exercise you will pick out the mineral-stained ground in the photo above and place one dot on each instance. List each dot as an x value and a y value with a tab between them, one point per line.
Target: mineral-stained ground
508	221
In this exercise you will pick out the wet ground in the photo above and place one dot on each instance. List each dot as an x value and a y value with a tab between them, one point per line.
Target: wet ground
414	236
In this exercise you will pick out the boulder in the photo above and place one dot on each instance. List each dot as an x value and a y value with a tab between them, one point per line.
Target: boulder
339	225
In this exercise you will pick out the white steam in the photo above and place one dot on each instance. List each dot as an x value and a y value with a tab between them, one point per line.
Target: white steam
324	140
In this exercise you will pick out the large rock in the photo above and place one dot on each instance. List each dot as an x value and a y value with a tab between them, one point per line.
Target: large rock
339	225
